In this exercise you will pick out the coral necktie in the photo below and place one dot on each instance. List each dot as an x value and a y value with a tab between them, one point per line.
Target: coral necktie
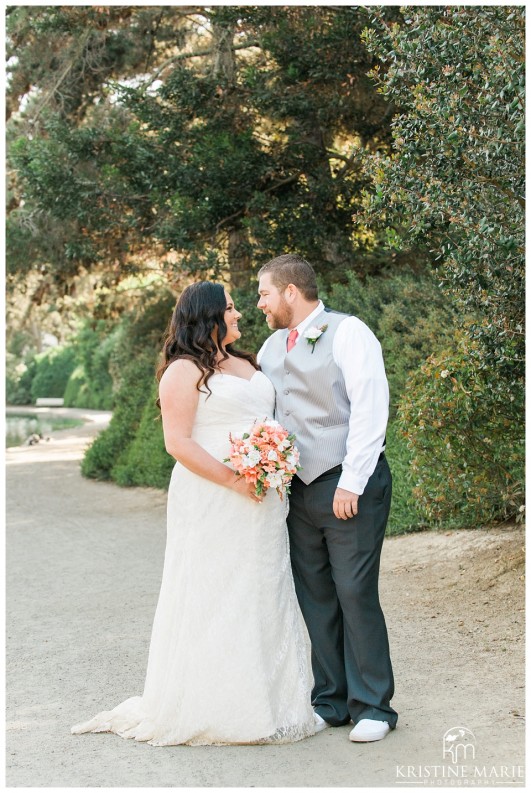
292	338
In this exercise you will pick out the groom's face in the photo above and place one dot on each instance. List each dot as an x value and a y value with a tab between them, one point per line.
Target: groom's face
277	310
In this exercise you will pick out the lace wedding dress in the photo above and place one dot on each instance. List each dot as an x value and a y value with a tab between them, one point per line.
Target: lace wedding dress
228	661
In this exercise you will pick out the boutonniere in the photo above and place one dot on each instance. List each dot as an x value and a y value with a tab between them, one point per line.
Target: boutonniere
313	334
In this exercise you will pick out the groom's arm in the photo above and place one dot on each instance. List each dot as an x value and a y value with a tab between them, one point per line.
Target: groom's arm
358	354
262	350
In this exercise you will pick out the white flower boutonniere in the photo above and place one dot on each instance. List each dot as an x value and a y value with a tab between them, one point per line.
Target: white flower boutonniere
313	334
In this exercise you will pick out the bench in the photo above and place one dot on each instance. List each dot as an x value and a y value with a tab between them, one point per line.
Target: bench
49	402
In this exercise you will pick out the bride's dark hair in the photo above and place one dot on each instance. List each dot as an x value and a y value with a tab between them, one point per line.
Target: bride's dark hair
199	310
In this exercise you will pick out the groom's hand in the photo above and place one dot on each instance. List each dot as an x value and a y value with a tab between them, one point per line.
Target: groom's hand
345	504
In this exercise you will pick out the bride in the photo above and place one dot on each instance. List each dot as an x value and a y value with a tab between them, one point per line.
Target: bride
227	661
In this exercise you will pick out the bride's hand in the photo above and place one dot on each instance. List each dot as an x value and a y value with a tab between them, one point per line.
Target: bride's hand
245	488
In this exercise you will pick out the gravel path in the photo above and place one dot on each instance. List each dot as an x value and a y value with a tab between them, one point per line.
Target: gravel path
84	562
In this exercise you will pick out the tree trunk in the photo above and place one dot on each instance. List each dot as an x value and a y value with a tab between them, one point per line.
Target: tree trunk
223	63
224	67
239	258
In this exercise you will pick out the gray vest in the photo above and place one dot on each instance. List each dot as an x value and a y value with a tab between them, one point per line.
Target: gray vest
311	398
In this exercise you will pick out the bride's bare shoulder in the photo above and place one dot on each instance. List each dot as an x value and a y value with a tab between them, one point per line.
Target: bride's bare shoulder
182	373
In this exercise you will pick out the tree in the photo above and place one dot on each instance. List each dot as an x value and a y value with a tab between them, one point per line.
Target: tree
61	63
205	137
455	178
456	175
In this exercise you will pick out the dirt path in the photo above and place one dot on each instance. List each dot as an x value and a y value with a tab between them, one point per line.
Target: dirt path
84	561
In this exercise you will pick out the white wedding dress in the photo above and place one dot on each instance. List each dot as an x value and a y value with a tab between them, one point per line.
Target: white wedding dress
228	660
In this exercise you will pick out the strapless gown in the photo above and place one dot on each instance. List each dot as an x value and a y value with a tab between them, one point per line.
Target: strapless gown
228	659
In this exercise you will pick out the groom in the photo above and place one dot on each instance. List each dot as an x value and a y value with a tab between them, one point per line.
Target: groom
331	391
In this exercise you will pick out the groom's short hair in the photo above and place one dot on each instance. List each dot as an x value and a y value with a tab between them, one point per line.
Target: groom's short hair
292	269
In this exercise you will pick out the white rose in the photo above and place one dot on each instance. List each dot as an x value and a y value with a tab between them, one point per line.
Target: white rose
313	333
275	480
252	458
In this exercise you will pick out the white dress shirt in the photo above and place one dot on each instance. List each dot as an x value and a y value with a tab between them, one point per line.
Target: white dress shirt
358	354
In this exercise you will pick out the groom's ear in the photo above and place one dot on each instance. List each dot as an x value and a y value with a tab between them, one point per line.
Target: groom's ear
291	293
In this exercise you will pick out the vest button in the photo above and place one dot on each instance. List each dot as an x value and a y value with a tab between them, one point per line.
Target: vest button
287	412
286	391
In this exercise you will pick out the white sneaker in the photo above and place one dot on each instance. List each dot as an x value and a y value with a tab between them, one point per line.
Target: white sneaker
320	723
369	730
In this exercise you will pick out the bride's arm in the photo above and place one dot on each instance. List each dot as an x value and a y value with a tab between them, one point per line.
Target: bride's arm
178	401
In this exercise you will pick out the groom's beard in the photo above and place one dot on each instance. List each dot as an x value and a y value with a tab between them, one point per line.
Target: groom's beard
281	318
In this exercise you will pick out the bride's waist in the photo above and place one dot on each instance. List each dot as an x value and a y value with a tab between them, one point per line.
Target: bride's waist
216	444
216	439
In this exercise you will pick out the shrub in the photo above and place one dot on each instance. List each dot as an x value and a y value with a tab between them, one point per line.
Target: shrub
53	370
408	313
253	326
147	462
132	352
19	377
109	449
101	383
143	328
76	389
90	384
92	389
131	451
467	444
454	184
404	516
455	181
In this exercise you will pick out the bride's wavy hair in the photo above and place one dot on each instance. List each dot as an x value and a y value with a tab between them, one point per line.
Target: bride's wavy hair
190	334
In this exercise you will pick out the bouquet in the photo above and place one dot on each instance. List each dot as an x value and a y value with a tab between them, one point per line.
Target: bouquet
265	456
